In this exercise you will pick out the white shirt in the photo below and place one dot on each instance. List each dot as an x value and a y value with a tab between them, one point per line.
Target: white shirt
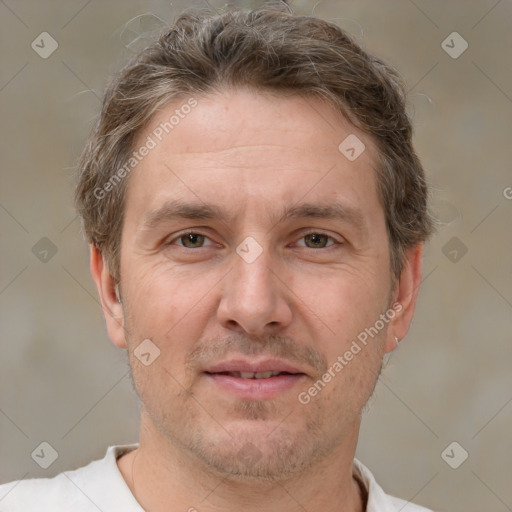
99	486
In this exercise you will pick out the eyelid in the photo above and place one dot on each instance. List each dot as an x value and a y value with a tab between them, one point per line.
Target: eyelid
177	236
321	232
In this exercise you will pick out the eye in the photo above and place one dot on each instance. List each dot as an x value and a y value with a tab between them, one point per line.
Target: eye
190	240
194	240
317	240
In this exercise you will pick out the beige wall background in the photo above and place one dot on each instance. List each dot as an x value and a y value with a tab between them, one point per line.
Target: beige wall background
63	382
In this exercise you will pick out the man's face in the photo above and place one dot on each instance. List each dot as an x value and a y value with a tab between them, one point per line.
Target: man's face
255	288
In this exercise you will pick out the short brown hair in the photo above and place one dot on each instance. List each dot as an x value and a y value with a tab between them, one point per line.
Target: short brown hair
269	49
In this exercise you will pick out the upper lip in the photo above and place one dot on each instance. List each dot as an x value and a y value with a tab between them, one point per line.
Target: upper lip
243	365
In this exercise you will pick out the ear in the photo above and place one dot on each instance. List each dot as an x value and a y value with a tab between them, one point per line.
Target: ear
405	295
111	306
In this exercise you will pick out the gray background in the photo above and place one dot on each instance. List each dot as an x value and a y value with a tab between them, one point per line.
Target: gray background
63	382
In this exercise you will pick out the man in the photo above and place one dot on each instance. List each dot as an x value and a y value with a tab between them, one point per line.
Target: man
256	215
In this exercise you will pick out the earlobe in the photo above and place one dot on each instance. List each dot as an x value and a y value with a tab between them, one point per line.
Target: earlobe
109	297
405	294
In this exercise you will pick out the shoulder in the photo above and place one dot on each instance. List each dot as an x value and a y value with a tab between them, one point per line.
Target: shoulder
44	494
83	489
407	506
378	500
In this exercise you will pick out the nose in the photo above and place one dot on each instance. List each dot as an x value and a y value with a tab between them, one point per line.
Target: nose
255	300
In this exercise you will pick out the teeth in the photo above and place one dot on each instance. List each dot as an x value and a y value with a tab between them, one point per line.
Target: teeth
252	375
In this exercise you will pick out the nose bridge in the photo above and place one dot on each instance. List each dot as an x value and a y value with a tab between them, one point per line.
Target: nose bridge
252	298
253	275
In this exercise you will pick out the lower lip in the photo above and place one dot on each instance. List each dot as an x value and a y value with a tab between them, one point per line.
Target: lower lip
256	389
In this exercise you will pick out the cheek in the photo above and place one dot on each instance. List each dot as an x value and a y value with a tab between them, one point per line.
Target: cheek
170	310
343	301
162	298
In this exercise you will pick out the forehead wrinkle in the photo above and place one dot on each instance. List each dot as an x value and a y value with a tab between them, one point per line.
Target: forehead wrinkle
232	149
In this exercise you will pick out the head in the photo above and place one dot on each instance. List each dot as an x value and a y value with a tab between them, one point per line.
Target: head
233	128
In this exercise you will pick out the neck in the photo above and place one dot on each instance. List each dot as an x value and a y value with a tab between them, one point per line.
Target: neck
160	474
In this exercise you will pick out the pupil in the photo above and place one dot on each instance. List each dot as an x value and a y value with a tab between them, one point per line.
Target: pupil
316	238
192	239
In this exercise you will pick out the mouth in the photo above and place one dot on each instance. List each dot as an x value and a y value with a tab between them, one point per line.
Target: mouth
253	375
254	381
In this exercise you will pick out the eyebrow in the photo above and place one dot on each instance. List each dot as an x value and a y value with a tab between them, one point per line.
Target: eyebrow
178	209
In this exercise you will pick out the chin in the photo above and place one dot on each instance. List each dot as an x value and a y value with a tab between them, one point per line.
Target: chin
261	450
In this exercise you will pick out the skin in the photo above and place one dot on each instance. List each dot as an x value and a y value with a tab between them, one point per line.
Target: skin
303	299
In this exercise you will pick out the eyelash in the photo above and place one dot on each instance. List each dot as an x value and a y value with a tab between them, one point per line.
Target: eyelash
192	232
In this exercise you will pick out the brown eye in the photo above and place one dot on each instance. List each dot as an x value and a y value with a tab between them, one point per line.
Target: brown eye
192	240
316	240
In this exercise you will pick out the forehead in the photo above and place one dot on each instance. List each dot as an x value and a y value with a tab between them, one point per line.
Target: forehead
238	146
232	117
